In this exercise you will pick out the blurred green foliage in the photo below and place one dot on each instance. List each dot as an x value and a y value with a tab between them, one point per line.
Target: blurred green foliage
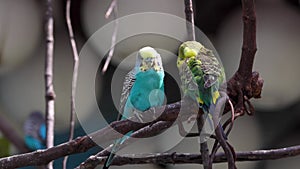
4	147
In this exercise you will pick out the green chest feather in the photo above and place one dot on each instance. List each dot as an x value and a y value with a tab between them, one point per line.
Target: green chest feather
203	75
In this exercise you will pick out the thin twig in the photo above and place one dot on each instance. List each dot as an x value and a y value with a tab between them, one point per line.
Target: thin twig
227	123
111	8
220	136
10	133
114	36
75	74
189	15
50	94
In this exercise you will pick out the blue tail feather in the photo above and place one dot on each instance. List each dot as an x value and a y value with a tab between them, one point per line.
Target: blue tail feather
115	148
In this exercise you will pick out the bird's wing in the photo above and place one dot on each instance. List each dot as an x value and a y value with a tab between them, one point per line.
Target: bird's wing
211	68
127	85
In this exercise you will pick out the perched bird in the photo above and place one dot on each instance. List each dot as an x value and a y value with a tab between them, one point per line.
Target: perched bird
201	76
35	131
143	88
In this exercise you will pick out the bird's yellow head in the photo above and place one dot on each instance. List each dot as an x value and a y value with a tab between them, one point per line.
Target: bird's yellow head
188	50
149	58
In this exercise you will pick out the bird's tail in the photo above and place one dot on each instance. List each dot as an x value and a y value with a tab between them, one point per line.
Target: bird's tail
112	154
108	160
209	124
114	149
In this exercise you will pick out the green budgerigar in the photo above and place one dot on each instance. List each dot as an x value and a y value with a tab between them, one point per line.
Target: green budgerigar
143	88
201	76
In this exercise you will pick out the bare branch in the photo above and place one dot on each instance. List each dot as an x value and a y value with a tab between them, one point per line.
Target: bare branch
188	158
189	16
219	133
204	150
246	84
111	8
9	132
249	39
82	144
75	74
148	131
43	157
50	94
114	36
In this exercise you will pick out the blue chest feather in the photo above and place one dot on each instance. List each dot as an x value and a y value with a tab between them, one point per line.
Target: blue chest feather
148	90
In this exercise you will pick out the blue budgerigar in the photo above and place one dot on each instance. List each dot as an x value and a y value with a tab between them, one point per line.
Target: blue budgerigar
143	88
35	131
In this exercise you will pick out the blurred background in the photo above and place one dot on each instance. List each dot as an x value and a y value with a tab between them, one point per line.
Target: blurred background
22	51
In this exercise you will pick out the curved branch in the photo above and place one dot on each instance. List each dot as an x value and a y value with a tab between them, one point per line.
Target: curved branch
75	74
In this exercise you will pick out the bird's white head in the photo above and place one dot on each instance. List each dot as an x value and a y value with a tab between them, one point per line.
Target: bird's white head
148	58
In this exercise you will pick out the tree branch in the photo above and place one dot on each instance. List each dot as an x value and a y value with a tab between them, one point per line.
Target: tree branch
75	75
10	133
189	16
188	158
204	150
246	84
148	131
50	94
82	144
42	157
249	39
113	7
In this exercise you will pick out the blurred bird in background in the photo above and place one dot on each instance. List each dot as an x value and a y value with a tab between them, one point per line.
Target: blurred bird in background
35	131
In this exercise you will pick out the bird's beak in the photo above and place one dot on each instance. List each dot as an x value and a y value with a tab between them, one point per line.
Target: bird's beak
188	52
